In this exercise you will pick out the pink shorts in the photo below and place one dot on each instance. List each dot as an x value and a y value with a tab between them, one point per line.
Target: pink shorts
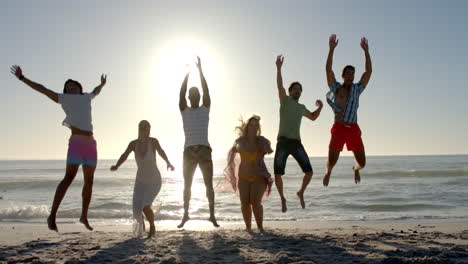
82	150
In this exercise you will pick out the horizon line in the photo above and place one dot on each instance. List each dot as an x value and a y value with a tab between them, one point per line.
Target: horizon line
398	155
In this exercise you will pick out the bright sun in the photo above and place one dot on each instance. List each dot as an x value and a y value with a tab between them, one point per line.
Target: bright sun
174	59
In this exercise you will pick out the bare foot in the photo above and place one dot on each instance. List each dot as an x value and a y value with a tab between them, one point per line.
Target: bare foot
184	220
284	208
84	221
248	230
326	178
212	219
261	230
357	176
152	232
51	223
301	198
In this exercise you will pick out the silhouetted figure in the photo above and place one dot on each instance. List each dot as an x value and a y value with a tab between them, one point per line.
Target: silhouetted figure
148	179
197	150
81	145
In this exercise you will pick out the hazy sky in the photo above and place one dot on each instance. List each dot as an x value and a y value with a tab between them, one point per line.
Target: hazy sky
415	102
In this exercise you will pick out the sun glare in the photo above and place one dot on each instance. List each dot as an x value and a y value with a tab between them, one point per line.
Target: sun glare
173	60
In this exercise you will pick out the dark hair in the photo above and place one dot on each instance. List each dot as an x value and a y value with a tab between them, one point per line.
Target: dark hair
72	81
294	83
143	123
348	67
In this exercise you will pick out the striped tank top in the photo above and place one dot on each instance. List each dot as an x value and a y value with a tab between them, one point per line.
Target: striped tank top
195	122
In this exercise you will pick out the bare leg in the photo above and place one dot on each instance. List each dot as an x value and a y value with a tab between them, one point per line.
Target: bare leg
150	217
256	194
246	206
360	157
257	209
207	170
279	186
333	156
62	188
188	171
88	172
305	182
246	209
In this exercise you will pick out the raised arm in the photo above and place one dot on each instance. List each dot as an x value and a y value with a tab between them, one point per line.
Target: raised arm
367	74
98	89
124	156
333	42
183	92
16	70
161	153
314	115
279	77
204	84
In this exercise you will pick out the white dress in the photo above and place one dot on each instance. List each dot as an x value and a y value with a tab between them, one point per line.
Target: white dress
147	185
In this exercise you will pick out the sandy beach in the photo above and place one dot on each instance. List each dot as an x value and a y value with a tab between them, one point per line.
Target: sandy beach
284	242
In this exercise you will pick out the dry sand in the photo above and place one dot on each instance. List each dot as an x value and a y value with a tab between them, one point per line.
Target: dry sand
284	242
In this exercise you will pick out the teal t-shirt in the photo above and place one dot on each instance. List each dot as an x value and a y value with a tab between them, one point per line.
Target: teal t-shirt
291	113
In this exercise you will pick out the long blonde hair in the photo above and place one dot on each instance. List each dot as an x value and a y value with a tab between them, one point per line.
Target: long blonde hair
144	123
242	129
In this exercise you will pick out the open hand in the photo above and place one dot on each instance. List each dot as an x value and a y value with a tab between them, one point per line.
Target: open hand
364	44
279	61
198	63
103	79
333	41
16	70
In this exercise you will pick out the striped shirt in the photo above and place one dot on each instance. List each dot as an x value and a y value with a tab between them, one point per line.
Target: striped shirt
195	122
352	105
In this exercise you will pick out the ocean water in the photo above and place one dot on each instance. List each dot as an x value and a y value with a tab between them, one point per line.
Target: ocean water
392	188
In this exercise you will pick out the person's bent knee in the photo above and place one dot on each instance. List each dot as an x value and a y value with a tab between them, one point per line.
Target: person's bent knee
245	204
67	180
257	204
88	184
362	164
209	191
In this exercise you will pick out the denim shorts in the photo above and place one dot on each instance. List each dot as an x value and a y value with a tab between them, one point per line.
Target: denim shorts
286	147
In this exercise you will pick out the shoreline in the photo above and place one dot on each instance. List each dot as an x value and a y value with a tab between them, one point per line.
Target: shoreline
199	242
14	233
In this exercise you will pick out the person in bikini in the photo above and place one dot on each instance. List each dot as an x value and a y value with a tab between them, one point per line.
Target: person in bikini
250	179
344	100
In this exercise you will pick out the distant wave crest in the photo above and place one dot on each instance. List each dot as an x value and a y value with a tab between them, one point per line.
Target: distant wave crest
420	173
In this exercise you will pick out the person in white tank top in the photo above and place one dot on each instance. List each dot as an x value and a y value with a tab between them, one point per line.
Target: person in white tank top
148	179
197	150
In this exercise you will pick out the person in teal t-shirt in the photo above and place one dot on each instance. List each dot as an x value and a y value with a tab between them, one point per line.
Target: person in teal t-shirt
289	139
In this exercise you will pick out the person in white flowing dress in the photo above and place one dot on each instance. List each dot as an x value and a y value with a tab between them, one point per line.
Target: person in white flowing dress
148	179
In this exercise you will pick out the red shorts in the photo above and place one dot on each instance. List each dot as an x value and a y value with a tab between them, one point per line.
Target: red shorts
346	133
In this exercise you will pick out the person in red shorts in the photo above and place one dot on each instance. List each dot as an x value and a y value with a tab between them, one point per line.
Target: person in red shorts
344	100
